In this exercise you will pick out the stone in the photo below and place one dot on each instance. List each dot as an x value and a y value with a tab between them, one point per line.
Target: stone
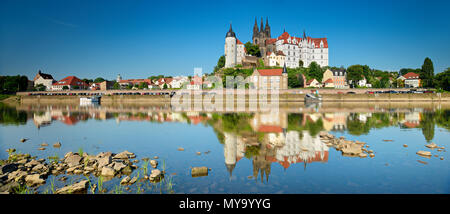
125	180
77	171
73	160
422	162
198	153
103	161
351	148
432	145
362	155
155	175
32	163
11	150
89	168
180	149
71	169
108	171
199	171
80	187
133	180
34	179
42	148
23	140
44	144
442	158
424	153
156	157
119	166
127	170
404	145
124	155
153	163
370	151
38	167
371	155
136	161
57	145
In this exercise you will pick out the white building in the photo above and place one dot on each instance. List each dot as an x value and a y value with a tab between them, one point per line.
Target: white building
275	59
44	79
306	49
234	50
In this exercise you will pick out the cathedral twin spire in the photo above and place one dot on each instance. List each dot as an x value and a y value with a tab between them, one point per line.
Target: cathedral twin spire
262	29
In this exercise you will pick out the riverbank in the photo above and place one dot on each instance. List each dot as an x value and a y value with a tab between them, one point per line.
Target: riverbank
143	99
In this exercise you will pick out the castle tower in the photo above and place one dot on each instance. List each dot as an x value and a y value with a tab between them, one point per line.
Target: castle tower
230	49
267	29
119	78
284	76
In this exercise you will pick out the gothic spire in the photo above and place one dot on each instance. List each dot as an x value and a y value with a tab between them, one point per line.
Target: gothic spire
255	27
284	69
304	34
230	33
262	25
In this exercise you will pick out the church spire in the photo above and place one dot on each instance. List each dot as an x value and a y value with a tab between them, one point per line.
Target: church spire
267	29
304	34
255	28
262	25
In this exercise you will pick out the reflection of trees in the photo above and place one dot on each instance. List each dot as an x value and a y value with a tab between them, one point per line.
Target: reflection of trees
442	118
427	125
296	122
10	116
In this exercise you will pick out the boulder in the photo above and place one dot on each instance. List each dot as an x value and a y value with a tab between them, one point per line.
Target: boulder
8	168
57	145
133	180
124	155
107	171
119	166
362	155
73	160
103	161
432	145
351	148
155	175
424	153
80	187
154	163
125	180
34	179
44	144
32	163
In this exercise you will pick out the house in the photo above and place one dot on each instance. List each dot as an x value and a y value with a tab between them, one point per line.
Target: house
134	82
106	85
363	82
178	81
270	78
328	83
194	85
164	81
411	80
337	76
313	83
94	86
275	59
71	83
44	79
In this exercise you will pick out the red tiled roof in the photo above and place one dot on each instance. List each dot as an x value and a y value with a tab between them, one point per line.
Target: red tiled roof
239	42
329	81
411	75
280	53
270	72
268	128
309	81
270	41
317	42
71	80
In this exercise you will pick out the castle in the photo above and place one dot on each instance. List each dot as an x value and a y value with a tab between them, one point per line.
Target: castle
285	49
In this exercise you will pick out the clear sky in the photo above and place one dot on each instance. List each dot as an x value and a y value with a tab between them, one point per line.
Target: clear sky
137	39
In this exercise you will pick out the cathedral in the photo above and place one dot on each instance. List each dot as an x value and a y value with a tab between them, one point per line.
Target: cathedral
285	49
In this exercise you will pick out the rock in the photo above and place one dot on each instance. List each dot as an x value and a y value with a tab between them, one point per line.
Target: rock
154	163
436	155
180	149
388	140
155	175
44	144
199	171
442	158
424	153
71	169
125	180
38	167
23	161
11	150
107	171
119	166
23	140
155	157
103	161
132	181
350	148
136	161
371	155
73	160
198	153
431	145
404	145
8	168
80	187
42	148
32	163
77	171
57	145
127	170
370	151
439	150
124	155
362	155
146	177
422	162
34	179
89	168
17	175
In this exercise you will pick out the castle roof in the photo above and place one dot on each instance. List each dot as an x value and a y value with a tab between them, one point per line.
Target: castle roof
230	33
270	72
44	76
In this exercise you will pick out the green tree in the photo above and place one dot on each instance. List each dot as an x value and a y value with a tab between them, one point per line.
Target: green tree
143	85
427	124
221	62
442	80
314	71
355	73
252	49
40	87
99	80
165	86
427	73
116	86
65	87
295	80
300	63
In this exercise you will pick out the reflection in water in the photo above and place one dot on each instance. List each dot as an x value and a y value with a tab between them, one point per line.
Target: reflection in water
265	138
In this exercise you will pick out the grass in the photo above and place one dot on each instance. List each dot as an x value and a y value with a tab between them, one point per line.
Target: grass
54	159
100	183
4	96
80	152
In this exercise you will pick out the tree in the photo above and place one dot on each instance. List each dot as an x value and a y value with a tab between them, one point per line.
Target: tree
252	49
65	87
314	71
221	61
116	86
40	87
76	87
143	85
99	80
355	73
404	71
427	73
442	80
165	86
295	80
300	63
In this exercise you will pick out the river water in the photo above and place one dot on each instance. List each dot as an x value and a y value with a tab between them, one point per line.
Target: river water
247	152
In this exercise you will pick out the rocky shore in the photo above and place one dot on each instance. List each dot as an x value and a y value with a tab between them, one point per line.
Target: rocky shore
348	148
21	171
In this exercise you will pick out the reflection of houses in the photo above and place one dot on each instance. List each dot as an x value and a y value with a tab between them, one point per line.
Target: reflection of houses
412	119
272	124
298	149
43	119
335	121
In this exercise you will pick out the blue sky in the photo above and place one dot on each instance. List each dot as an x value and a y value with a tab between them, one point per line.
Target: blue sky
138	39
